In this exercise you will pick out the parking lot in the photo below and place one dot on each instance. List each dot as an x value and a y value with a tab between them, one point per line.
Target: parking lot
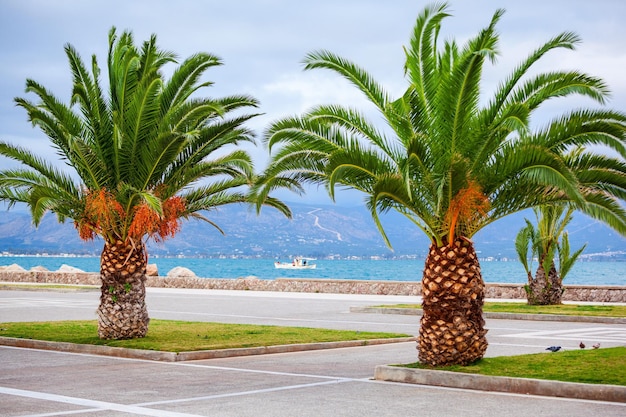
336	382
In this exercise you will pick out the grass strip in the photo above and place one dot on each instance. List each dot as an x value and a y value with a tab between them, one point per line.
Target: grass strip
597	366
184	336
523	308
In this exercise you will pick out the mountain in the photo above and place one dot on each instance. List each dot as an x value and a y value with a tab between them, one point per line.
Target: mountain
319	231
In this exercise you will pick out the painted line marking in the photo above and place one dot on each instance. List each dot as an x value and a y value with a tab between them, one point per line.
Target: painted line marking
44	302
598	334
99	405
252	392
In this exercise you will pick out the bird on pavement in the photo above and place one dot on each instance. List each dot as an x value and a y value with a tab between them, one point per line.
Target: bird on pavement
596	346
554	348
581	345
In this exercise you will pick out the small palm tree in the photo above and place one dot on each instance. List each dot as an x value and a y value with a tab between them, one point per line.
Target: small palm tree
452	165
547	242
146	156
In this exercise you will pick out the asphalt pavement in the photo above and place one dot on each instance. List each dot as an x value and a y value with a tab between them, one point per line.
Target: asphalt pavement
333	382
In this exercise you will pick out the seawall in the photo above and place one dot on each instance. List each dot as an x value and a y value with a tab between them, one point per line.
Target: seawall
583	293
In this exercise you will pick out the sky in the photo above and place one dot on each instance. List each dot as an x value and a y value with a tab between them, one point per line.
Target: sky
262	44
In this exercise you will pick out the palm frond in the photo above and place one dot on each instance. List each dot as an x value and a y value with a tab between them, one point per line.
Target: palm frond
566	258
354	124
421	58
523	242
507	89
184	81
351	72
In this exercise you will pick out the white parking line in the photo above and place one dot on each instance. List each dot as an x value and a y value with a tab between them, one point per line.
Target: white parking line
45	302
598	334
98	405
252	392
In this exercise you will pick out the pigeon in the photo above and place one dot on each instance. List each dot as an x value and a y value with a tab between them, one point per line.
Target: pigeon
554	348
582	345
596	346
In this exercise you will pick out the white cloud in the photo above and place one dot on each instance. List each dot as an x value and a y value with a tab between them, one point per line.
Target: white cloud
311	89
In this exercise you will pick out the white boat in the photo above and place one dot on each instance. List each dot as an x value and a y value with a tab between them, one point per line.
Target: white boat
297	263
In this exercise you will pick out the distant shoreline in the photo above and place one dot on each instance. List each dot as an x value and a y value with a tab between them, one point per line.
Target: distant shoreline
579	293
406	270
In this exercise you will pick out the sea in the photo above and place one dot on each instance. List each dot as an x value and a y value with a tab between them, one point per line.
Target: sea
583	273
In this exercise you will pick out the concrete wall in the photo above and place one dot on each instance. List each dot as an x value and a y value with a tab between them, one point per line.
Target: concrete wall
606	294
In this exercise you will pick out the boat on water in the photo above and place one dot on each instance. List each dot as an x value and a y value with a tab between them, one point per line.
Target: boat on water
297	263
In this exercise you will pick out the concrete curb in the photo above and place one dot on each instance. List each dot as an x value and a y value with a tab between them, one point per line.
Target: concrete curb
501	316
595	392
192	355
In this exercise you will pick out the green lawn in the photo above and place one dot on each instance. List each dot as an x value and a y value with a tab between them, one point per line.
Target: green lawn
591	366
183	336
523	308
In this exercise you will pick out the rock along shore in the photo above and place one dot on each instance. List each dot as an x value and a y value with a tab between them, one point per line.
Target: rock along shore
582	293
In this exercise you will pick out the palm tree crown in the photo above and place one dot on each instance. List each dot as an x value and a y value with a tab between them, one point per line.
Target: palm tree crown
449	163
139	152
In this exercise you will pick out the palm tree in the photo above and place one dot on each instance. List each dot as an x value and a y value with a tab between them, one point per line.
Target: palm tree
547	242
144	157
453	165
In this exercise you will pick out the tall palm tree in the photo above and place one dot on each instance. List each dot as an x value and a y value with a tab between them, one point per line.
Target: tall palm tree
453	165
144	157
547	242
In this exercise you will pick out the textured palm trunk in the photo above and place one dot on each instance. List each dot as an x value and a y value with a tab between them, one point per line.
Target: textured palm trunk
542	290
452	326
122	313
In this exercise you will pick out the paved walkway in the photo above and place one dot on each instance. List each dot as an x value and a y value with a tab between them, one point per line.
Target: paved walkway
334	382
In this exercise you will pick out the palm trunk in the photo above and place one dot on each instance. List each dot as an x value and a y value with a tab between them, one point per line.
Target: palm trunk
542	290
122	313
451	330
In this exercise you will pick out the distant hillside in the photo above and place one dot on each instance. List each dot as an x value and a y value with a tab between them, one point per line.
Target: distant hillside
317	231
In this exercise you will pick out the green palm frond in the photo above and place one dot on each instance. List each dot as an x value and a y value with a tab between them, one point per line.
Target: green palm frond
525	241
292	130
389	192
213	196
566	258
353	123
508	93
602	207
421	63
355	75
199	216
186	80
583	128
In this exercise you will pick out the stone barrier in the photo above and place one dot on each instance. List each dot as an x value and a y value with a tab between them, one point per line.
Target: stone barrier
583	293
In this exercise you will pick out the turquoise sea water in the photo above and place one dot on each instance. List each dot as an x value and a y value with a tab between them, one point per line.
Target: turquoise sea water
583	273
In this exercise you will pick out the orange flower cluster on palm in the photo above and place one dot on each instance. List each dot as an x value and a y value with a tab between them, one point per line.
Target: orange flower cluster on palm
104	216
469	204
146	221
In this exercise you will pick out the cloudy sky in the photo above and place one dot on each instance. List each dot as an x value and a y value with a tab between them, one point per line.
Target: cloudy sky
262	44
